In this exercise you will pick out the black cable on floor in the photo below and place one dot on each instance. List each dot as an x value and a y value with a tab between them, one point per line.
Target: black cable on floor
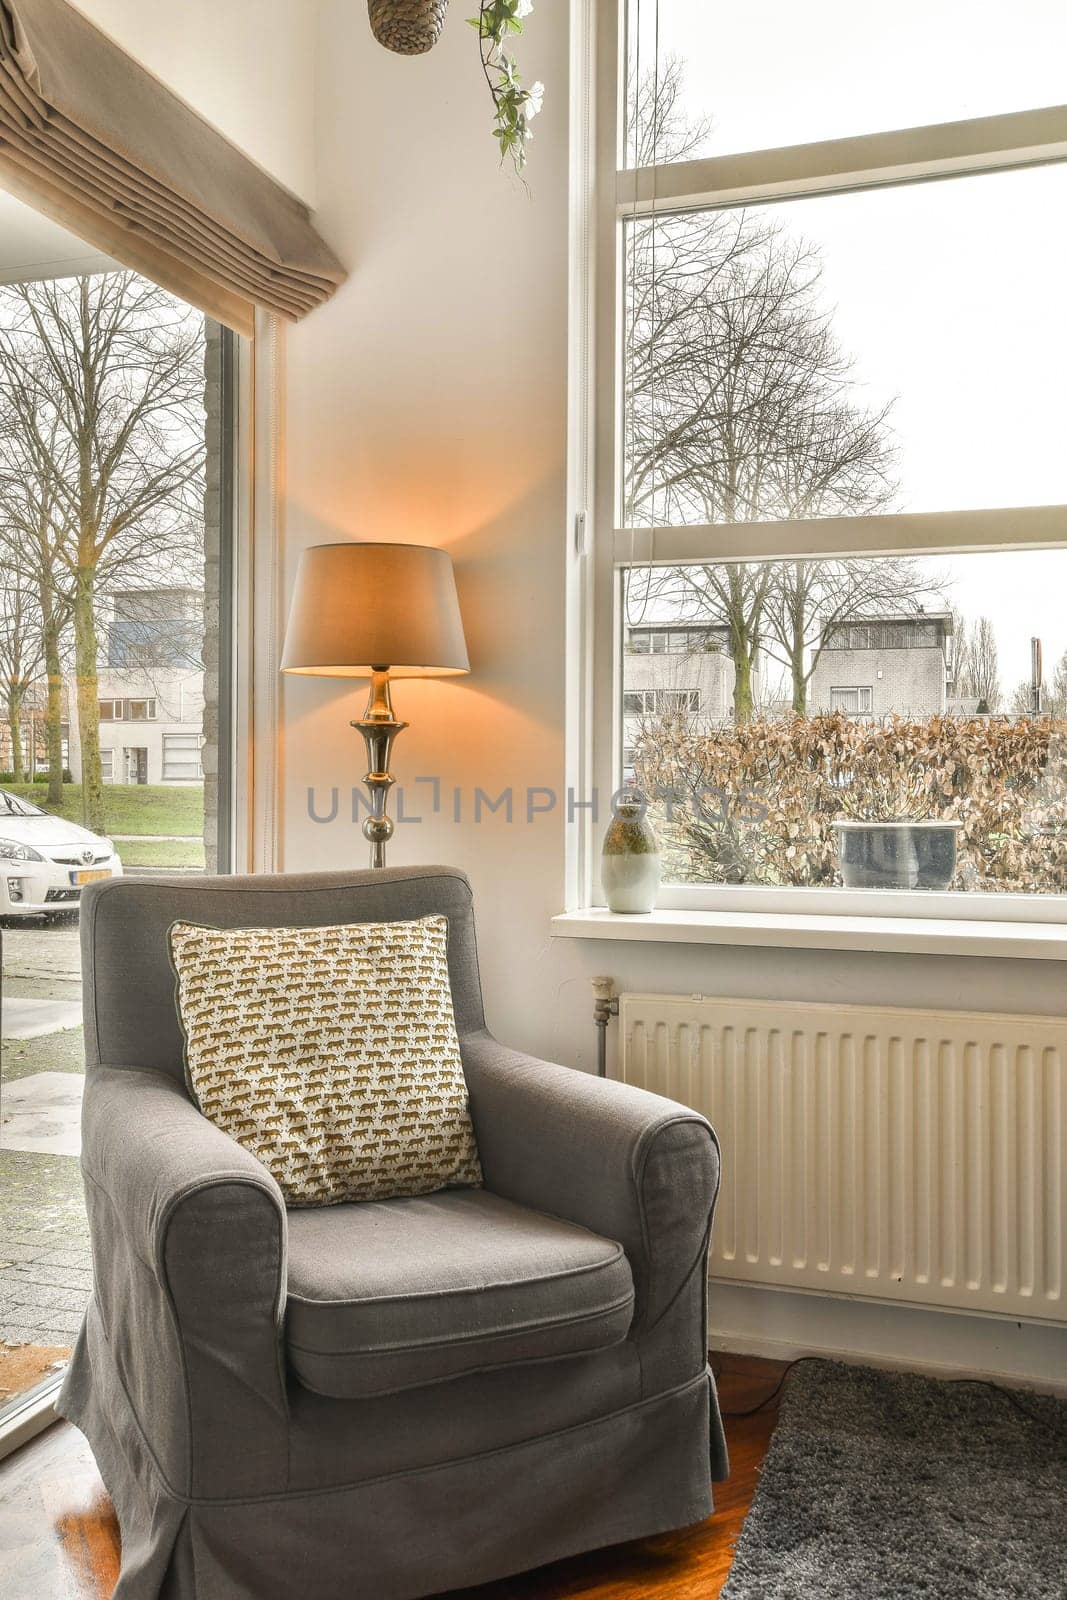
1011	1395
982	1383
736	1416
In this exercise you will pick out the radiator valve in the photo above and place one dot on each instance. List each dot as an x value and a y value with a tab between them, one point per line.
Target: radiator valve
605	1006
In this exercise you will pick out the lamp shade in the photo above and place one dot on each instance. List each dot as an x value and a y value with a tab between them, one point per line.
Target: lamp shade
360	606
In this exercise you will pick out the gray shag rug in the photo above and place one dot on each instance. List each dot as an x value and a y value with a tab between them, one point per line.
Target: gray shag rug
880	1486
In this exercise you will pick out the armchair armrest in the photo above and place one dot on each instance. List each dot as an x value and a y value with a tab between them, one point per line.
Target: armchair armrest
189	1233
624	1163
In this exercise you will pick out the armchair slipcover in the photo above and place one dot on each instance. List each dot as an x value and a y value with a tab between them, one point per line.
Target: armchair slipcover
380	1401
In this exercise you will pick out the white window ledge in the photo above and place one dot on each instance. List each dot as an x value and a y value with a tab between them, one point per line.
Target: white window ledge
1025	941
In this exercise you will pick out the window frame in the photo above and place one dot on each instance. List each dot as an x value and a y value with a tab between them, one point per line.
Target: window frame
606	194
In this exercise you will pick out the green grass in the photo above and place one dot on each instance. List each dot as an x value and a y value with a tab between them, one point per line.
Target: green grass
131	808
52	1052
162	853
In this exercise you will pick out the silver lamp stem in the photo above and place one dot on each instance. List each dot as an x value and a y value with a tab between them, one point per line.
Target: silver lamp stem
379	728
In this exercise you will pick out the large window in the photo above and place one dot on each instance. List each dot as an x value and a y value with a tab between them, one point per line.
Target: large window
116	537
778	73
830	500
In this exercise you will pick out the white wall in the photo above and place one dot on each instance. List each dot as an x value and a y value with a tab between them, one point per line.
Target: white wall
248	66
427	402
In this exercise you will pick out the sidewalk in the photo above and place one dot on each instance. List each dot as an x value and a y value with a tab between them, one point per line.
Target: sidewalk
27	1018
45	1262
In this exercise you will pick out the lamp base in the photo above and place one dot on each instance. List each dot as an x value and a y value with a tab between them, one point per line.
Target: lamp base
379	727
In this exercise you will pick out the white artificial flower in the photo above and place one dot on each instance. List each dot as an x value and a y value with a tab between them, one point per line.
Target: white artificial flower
535	99
524	8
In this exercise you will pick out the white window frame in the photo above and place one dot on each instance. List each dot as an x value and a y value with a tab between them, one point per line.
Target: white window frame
604	195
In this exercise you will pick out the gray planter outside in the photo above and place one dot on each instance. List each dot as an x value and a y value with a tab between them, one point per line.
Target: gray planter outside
897	855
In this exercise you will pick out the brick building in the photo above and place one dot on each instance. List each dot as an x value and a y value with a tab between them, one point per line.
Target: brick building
885	664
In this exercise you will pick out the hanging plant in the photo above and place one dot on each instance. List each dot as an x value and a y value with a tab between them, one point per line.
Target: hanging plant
410	27
515	106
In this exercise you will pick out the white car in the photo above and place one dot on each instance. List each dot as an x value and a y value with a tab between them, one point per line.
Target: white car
44	861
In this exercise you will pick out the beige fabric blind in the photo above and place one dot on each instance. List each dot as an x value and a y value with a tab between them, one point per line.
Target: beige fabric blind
92	139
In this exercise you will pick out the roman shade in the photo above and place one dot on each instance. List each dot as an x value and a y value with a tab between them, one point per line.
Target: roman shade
94	141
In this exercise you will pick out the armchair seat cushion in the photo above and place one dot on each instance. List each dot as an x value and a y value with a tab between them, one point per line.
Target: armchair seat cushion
391	1294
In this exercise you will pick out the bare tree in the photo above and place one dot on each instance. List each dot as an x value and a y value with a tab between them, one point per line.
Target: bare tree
20	658
809	598
981	665
741	406
35	541
110	373
1056	693
657	126
1021	703
734	594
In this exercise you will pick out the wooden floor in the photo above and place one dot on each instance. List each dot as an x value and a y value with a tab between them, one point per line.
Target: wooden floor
59	1540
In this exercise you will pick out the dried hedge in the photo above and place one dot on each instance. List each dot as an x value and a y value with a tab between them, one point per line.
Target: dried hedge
756	803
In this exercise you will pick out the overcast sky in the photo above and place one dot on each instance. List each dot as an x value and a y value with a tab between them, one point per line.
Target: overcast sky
948	295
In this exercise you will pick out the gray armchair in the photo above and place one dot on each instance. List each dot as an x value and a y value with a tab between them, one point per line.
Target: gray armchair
379	1401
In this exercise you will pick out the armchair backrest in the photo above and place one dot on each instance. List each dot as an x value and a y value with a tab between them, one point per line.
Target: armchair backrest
131	1017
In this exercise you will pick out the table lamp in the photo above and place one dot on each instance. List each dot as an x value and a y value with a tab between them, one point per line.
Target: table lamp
377	611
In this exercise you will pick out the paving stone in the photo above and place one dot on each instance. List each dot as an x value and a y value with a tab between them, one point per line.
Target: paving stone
44	1237
53	1277
13	1251
40	1338
68	1322
37	1240
62	1258
12	1335
15	1291
37	1294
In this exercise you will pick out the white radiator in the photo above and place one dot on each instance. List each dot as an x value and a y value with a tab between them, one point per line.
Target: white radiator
904	1155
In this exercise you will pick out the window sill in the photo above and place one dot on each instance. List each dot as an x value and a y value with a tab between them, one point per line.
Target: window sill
1023	941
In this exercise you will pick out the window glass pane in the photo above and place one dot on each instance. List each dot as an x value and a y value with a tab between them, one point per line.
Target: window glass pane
890	350
99	776
898	722
181	757
773	72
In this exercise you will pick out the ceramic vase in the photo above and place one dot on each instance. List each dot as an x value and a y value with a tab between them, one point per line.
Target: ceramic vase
630	863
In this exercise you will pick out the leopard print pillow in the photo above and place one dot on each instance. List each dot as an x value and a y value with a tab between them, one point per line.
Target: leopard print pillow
330	1053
